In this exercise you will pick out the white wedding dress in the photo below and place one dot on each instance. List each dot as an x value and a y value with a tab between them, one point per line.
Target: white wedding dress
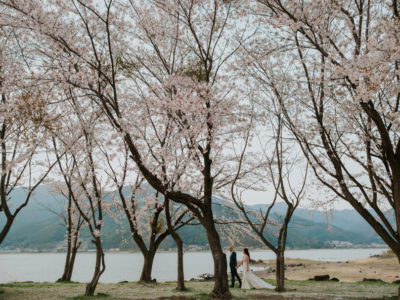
250	281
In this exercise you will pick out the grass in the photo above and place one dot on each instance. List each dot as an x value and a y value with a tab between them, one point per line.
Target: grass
66	281
98	296
295	289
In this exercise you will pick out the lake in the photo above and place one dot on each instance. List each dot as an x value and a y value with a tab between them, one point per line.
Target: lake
41	267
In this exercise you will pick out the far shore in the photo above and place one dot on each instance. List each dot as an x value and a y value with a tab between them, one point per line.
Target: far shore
188	251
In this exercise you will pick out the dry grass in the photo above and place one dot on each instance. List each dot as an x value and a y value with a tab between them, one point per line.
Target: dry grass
197	290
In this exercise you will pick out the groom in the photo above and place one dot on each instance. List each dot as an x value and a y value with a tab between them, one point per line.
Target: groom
232	265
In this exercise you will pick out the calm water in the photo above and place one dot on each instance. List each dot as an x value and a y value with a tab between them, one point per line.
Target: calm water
127	266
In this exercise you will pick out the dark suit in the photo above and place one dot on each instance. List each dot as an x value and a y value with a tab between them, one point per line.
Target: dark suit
232	265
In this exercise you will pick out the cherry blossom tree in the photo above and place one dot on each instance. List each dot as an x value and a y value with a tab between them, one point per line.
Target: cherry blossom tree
174	61
25	118
72	220
142	207
277	170
81	170
333	67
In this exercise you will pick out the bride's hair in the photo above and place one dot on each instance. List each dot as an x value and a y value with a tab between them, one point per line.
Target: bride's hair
247	252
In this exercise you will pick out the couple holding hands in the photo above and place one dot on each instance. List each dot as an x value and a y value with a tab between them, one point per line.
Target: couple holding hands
249	280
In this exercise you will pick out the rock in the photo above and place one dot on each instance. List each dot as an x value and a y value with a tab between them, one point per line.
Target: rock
321	277
295	265
372	280
334	279
123	281
206	277
396	281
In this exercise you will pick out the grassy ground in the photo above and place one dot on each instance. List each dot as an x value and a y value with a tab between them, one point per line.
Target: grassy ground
197	290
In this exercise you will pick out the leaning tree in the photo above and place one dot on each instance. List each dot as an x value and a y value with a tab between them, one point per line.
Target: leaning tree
333	68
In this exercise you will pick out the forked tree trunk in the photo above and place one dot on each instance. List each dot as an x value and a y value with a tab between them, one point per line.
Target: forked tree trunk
71	263
98	270
221	287
148	265
280	271
72	250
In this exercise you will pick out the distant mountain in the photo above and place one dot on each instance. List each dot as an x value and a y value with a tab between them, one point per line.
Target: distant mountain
38	228
347	220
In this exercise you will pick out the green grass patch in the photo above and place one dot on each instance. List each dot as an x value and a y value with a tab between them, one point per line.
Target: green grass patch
102	295
5	295
376	283
27	284
186	290
66	281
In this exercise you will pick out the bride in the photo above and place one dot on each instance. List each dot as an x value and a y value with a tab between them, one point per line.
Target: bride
250	280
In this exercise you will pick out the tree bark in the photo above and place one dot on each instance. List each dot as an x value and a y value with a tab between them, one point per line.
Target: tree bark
147	266
181	277
221	287
6	229
280	271
69	264
66	273
179	245
99	268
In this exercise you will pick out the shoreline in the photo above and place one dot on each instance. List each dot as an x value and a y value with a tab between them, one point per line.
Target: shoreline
192	251
376	268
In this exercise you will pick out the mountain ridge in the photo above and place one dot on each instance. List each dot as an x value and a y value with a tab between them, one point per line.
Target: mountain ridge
36	228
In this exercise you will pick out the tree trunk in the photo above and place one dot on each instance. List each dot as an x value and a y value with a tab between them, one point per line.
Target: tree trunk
398	293
221	287
181	278
280	271
72	262
179	245
147	266
72	250
99	268
6	229
64	276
